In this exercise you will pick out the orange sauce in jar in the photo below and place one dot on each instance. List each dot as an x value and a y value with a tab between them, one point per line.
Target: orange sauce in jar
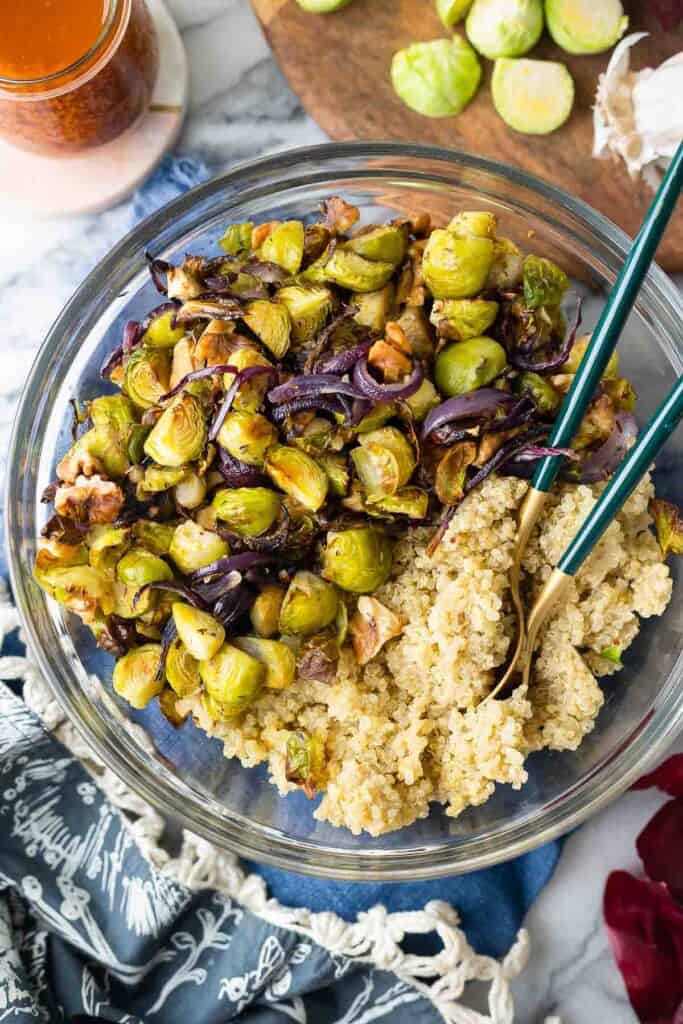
74	74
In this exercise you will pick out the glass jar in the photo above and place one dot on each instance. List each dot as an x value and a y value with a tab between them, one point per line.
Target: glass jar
95	98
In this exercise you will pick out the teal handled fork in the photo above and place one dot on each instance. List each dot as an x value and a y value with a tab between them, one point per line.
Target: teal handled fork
603	341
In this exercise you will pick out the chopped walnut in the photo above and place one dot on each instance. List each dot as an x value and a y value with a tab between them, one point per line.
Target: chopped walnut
340	216
90	500
78	461
371	627
393	365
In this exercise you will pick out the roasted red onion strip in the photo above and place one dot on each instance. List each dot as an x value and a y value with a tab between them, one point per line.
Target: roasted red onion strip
520	361
605	460
232	563
158	269
237	473
371	388
206	371
312	384
226	404
132	333
474	404
174	587
342	362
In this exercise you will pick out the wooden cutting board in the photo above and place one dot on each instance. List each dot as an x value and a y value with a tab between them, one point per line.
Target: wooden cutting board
339	66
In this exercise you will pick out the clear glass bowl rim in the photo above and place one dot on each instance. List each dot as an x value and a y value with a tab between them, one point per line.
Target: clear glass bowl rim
248	839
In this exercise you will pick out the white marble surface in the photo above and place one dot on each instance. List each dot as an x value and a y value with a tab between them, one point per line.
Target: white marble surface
241	108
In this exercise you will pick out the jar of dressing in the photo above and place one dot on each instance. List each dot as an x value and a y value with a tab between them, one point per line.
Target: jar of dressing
74	74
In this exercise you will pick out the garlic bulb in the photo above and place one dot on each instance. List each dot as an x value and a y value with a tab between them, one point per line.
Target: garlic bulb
638	115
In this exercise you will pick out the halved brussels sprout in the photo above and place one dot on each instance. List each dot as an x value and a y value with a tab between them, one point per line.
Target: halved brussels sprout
583	26
506	269
285	245
298	475
100	449
135	675
417	332
277	658
237	239
135	447
160	478
577	353
451	472
309	605
452	11
409	501
504	28
377	469
544	282
393	440
181	669
545	396
179	435
456	268
182	283
201	634
161	333
233	679
251	393
79	588
112	409
620	392
248	511
247	436
265	611
190	491
305	753
425	398
107	544
139	567
337	472
56	554
534	97
168	705
309	307
192	547
146	377
358	559
466	318
384	242
270	323
467	365
374	308
474	224
377	417
349	270
438	78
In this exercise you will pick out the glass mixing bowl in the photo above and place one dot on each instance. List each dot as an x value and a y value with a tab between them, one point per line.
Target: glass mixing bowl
183	773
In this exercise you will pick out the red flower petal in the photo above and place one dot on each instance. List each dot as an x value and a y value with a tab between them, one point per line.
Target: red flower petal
645	929
668	777
660	847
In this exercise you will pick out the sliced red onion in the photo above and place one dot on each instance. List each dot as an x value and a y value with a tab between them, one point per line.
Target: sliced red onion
325	403
242	376
212	590
237	473
232	563
265	270
323	337
605	460
342	362
520	361
533	452
504	454
158	269
233	605
168	635
206	371
224	284
154	314
132	332
211	307
174	587
371	388
270	541
482	402
313	384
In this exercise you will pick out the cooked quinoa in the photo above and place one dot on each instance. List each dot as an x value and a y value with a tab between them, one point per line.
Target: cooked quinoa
409	728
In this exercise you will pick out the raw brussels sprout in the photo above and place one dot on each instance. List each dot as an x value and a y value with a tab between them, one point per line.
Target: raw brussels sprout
112	409
425	398
534	97
201	633
374	308
193	547
285	245
384	242
233	679
417	332
323	6
506	269
271	324
160	478
139	567
577	353
298	475
337	472
545	396
544	282
438	78
247	436
467	318
237	239
179	435
452	11
181	669
309	307
310	605
248	511
473	224
106	545
456	268
190	491
349	270
161	333
265	611
277	658
305	756
504	28
467	365
358	559
146	376
251	393
135	675
409	501
583	26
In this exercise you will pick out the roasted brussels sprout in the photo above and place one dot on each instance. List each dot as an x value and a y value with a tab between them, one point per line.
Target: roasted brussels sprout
135	675
668	526
265	611
305	756
465	318
375	308
384	461
534	97
79	588
409	501
438	78
350	270
159	478
146	376
277	658
271	324
192	547
337	472
473	224
372	627
247	436
425	398
466	365
169	706
285	245
181	669
451	472
451	11
544	282
298	475
456	268
506	269
237	239
417	332
190	491
504	28
139	567
179	435
106	545
582	26
111	410
248	511
358	559
251	393
161	333
545	396
386	242
201	634
310	605
577	353
135	446
308	306
233	679
377	417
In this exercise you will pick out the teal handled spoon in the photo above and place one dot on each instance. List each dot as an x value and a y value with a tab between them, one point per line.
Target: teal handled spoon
603	341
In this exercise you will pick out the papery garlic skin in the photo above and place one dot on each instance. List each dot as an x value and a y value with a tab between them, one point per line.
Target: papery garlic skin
638	115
